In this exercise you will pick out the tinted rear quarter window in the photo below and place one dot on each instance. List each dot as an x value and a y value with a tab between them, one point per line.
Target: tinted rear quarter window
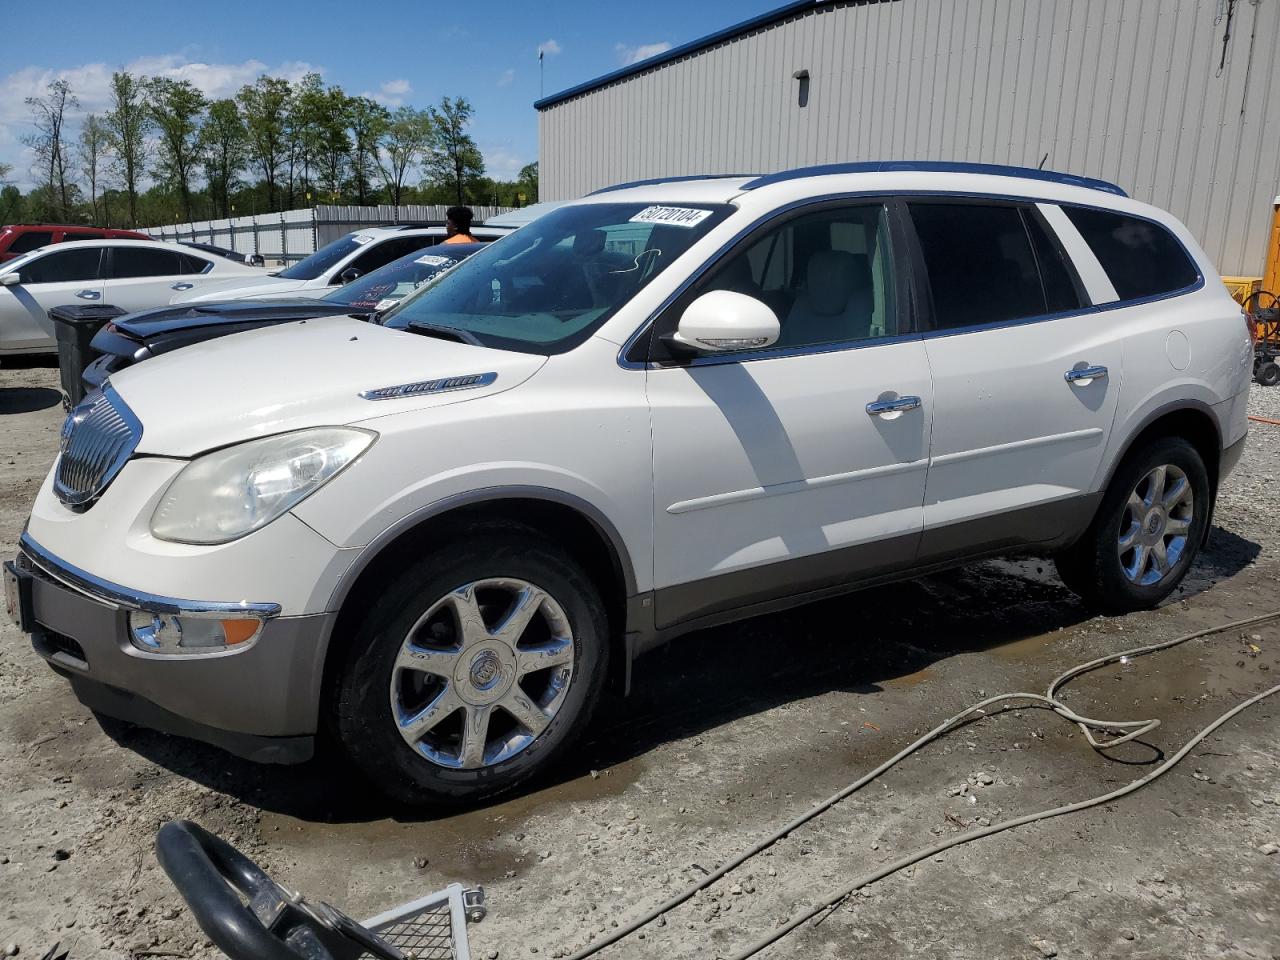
1141	258
30	240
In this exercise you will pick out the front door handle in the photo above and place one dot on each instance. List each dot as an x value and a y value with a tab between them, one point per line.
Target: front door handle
1083	376
889	408
88	294
181	286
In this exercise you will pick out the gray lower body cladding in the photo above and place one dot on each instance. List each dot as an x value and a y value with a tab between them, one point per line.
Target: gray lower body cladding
261	702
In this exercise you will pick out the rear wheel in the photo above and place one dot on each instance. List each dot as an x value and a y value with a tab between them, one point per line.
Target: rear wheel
475	669
1268	374
1147	531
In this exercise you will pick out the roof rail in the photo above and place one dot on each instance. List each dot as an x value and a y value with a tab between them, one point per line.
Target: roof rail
936	166
657	180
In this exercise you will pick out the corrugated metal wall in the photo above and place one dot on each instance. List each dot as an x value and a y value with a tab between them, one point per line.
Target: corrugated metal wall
1125	90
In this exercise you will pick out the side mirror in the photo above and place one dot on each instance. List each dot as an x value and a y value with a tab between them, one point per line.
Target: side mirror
722	320
10	280
349	274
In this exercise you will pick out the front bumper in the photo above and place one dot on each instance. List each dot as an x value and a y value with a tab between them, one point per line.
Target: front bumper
259	702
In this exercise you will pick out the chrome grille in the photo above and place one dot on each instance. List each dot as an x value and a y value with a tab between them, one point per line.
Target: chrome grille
98	437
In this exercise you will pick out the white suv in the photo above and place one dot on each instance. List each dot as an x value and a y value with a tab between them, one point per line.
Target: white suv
661	407
345	259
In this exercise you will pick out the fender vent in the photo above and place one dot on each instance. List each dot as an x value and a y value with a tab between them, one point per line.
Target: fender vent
468	382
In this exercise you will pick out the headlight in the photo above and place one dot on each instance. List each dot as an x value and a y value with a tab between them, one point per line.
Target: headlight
228	493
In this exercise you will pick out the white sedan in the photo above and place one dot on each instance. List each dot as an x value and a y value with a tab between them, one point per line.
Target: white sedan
130	274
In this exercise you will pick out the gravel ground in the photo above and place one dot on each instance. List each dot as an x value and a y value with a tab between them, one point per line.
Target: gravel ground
730	732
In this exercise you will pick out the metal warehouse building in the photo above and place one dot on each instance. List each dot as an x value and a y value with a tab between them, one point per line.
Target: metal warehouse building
1169	98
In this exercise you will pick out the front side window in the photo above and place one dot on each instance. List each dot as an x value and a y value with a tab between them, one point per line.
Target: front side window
383	253
323	259
399	278
827	276
983	266
133	262
62	266
548	286
1141	258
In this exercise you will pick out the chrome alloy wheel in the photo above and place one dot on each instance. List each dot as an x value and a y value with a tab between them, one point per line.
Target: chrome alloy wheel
1155	525
482	673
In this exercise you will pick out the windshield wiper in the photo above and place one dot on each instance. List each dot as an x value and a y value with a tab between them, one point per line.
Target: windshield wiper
443	332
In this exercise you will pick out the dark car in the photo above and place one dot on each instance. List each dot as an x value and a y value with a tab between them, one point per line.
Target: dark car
252	259
19	238
148	333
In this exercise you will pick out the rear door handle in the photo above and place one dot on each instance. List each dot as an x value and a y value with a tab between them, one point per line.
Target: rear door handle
181	286
1084	376
88	294
883	408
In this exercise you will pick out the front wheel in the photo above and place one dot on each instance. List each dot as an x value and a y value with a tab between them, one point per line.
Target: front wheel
474	670
1147	531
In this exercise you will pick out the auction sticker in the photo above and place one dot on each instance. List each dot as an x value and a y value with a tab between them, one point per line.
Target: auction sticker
361	238
432	260
671	216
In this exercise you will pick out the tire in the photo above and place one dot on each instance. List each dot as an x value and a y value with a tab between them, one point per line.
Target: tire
1268	374
1113	579
499	567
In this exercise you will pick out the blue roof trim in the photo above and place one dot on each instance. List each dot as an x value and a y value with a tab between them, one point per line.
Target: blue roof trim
657	180
693	46
937	166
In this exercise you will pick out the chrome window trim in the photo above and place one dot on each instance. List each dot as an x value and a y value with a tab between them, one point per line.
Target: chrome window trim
643	329
112	593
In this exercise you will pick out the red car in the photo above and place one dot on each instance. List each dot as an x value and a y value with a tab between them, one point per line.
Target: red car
18	238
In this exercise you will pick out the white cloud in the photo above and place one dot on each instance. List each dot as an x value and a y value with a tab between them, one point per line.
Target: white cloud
392	93
502	161
550	48
506	78
629	55
91	83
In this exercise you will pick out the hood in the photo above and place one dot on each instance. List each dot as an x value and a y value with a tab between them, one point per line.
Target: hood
233	288
151	323
297	375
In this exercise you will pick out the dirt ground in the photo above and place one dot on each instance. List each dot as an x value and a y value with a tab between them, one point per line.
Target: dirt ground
730	732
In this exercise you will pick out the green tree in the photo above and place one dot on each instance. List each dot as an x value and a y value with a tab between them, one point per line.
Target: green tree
407	137
332	143
224	146
303	133
369	121
128	124
265	108
177	109
527	180
50	145
453	160
91	152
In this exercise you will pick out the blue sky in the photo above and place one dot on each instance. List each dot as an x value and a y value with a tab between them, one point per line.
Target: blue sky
395	50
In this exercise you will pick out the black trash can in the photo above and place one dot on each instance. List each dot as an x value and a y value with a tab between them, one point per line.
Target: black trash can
75	325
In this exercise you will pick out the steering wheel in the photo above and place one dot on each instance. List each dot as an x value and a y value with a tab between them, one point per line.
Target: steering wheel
216	880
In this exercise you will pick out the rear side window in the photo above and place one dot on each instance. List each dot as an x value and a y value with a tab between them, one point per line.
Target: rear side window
990	264
30	240
63	266
131	262
1141	258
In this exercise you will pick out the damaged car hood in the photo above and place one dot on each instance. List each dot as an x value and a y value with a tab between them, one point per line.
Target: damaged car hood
305	374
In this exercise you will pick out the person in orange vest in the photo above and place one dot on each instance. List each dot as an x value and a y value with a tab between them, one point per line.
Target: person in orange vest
457	225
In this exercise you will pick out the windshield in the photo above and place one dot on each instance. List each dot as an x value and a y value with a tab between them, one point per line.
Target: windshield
9	266
399	278
325	257
548	286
